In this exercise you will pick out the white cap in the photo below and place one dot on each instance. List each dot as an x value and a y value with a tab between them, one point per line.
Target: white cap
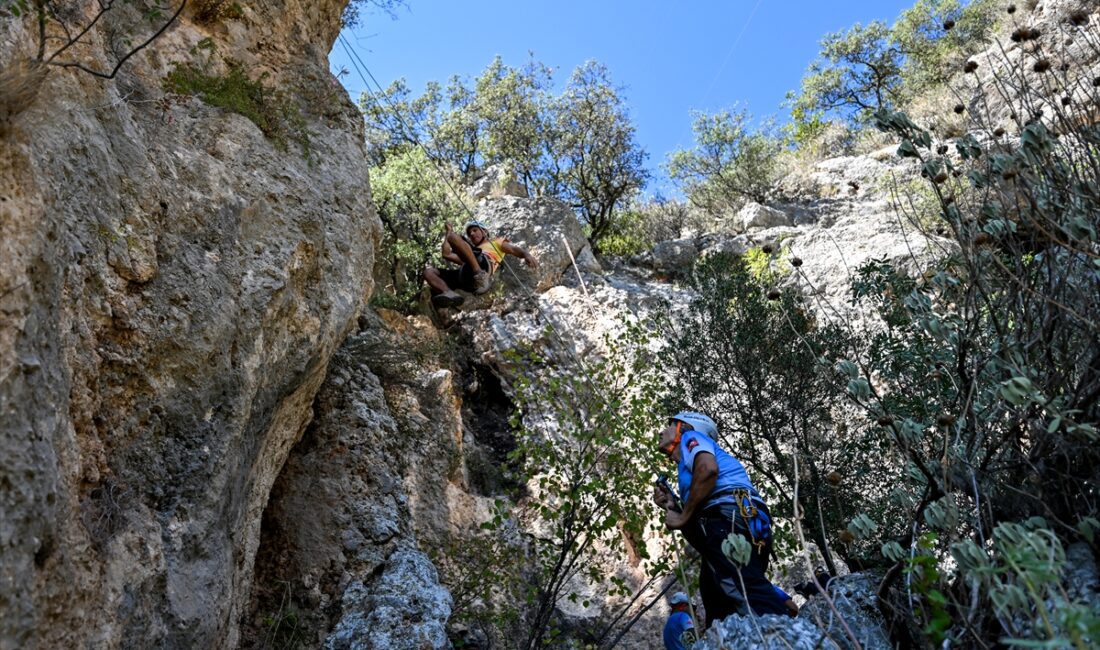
679	598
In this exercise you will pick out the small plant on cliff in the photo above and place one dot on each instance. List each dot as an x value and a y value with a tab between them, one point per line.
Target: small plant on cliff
586	453
214	11
269	109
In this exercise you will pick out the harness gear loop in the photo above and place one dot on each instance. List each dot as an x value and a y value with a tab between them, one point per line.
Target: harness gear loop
752	516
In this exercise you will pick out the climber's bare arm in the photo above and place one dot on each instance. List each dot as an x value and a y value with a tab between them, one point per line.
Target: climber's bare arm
518	251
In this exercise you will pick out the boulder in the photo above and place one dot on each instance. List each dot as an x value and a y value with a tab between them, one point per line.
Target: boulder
404	608
674	256
855	598
496	181
547	228
755	216
768	631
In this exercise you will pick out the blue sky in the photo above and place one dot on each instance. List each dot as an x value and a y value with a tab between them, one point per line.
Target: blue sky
670	57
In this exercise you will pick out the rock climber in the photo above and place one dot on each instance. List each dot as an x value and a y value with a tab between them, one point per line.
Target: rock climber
718	498
679	631
477	257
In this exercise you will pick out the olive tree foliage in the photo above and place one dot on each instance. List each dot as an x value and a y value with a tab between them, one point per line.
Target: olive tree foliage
857	71
579	146
932	54
731	163
595	162
413	207
873	66
985	377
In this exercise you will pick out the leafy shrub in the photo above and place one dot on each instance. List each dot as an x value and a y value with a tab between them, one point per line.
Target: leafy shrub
749	355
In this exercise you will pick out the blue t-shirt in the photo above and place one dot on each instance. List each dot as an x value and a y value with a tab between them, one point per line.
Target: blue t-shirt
731	473
677	624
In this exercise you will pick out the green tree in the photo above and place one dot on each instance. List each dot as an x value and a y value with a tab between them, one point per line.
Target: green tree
857	72
729	164
597	164
933	55
413	205
512	109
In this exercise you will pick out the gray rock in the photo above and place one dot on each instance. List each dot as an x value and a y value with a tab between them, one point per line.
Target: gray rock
763	632
674	256
405	608
855	599
755	216
496	181
182	282
547	228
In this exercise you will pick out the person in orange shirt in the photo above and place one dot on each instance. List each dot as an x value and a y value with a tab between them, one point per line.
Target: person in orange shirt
477	257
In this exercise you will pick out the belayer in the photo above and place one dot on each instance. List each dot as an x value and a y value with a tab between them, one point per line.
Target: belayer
718	498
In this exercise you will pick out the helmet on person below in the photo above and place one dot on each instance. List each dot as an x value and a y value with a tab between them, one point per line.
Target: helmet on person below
699	422
679	598
475	224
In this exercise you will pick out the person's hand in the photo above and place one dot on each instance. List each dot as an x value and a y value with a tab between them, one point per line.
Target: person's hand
531	262
675	520
662	497
448	228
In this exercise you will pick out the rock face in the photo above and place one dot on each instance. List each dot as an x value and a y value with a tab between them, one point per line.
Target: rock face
404	609
172	285
497	181
756	217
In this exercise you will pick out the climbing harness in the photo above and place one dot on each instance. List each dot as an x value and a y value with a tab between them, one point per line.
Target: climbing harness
756	520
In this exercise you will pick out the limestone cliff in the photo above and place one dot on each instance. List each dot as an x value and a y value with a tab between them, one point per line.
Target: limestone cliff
172	285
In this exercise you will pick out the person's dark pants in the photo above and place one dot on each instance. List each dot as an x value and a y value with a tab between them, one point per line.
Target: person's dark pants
463	276
720	580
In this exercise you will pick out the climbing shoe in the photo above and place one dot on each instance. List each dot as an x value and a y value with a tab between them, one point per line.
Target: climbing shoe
447	299
482	282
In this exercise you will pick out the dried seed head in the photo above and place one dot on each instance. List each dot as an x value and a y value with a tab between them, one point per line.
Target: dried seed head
949	24
945	419
982	238
998	132
1064	67
1096	82
940	231
1033	34
834	477
1019	34
1078	18
959	108
942	149
956	173
796	262
1066	101
940	178
846	536
1041	66
768	249
773	294
1008	174
1011	9
970	66
885	421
